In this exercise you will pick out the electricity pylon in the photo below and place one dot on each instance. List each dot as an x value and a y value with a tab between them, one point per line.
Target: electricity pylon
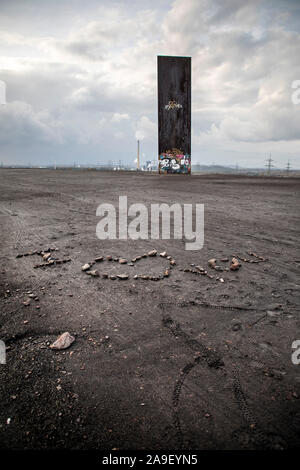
269	164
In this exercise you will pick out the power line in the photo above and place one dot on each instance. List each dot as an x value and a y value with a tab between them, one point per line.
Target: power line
288	167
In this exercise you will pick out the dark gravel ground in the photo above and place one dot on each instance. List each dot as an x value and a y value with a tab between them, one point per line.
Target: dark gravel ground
185	362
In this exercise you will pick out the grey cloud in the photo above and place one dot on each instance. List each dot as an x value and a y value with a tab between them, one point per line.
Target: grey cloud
19	123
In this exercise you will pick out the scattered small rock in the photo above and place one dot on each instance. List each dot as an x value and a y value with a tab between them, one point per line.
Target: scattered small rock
235	264
122	276
123	261
64	341
85	267
272	313
200	269
94	273
152	253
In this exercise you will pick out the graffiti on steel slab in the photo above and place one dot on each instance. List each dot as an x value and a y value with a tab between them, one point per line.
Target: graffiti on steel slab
173	105
174	161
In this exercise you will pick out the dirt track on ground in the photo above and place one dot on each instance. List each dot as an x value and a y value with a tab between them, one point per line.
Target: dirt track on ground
185	362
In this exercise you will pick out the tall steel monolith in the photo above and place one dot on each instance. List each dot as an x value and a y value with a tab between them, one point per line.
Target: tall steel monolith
174	114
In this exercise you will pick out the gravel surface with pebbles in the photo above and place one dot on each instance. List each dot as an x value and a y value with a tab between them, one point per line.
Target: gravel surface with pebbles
199	359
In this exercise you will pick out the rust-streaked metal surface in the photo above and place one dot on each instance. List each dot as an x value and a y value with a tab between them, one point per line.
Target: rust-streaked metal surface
174	114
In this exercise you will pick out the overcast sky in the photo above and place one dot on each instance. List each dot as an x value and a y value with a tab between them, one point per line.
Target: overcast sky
81	79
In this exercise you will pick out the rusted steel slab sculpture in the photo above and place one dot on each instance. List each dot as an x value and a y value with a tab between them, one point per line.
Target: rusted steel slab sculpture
174	114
